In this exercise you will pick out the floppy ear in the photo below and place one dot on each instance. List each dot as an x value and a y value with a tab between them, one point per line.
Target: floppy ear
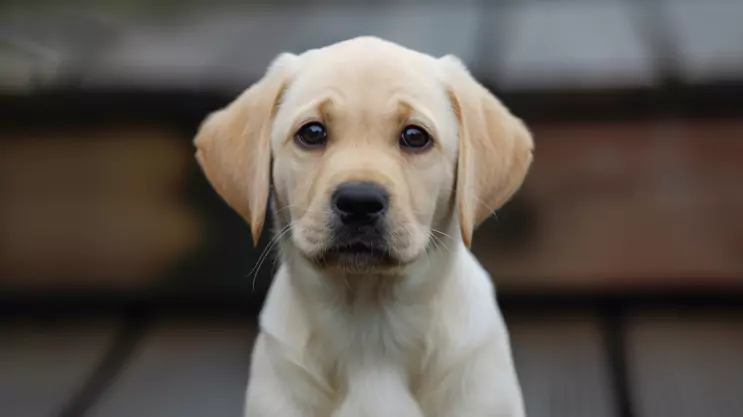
495	148
233	145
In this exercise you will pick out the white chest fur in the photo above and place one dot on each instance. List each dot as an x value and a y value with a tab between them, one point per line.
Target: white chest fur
411	354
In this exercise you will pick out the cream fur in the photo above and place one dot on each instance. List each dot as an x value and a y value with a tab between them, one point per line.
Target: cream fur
425	338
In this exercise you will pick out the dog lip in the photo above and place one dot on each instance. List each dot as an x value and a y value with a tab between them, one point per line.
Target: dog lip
358	254
358	247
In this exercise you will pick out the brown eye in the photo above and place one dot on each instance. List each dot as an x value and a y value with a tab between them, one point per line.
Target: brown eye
415	138
311	135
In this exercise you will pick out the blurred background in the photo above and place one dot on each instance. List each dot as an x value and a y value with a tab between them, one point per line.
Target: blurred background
127	287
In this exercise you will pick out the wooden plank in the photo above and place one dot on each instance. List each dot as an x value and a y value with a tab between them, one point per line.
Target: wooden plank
181	369
562	366
114	219
628	206
686	365
43	366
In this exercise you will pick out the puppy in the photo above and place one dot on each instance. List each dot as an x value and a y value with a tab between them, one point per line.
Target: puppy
379	162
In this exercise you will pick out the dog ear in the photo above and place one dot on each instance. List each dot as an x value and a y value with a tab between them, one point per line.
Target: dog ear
495	148
233	145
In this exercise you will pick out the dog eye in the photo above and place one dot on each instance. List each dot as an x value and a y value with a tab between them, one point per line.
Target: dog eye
415	138
311	135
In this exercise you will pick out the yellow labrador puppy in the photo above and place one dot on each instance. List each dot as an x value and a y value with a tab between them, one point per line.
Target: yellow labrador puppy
378	162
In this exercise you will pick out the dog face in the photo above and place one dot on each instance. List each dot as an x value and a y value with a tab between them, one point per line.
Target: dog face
364	149
371	149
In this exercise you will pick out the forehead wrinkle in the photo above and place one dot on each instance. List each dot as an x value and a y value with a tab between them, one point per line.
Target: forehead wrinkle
311	90
407	111
298	113
325	108
404	111
316	108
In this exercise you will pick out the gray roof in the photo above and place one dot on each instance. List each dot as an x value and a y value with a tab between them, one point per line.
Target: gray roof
512	45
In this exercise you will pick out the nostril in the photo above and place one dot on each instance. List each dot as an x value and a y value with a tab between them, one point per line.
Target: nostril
360	200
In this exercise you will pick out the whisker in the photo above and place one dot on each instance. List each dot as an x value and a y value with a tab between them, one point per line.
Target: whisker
262	258
286	207
276	259
437	240
492	212
442	233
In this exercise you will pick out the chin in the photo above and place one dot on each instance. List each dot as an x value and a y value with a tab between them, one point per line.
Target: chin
367	257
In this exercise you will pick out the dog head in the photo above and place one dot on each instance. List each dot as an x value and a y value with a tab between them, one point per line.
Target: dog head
371	148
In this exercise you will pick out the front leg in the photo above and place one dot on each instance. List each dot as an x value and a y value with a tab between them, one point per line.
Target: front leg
482	384
282	388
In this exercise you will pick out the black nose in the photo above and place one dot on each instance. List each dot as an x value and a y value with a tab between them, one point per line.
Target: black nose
360	202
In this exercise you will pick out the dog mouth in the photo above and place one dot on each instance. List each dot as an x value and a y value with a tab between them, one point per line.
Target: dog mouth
358	255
